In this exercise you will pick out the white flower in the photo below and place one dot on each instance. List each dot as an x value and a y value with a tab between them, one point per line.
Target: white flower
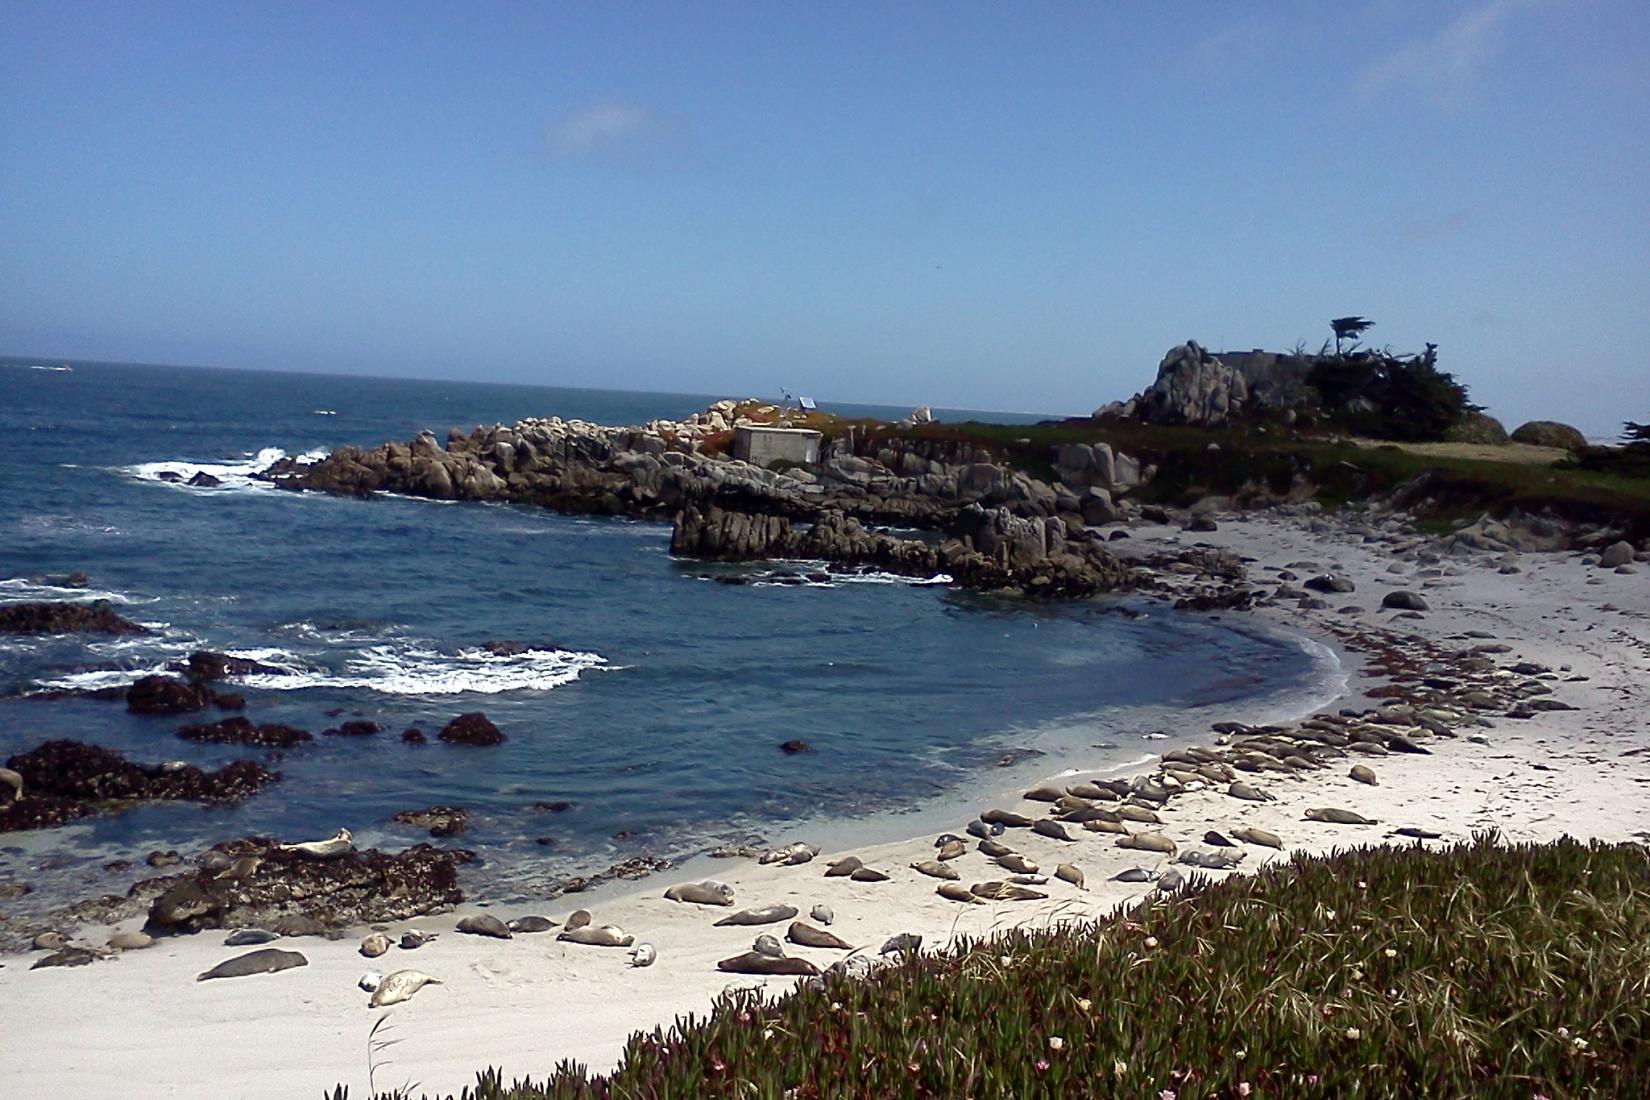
1084	1003
1390	953
1119	1068
1354	1033
1578	1043
1151	941
1056	1043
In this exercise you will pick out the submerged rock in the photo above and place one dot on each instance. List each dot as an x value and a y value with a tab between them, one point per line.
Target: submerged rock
64	618
241	731
471	729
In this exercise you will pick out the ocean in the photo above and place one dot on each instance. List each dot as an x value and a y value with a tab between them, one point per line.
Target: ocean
655	702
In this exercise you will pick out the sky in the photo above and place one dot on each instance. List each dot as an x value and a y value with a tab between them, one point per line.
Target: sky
963	204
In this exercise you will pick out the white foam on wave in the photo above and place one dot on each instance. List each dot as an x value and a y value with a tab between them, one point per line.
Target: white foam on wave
23	590
415	670
233	475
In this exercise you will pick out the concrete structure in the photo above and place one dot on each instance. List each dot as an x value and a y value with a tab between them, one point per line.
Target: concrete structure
761	445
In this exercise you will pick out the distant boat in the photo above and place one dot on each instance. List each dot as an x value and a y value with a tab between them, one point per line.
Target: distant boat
64	367
326	412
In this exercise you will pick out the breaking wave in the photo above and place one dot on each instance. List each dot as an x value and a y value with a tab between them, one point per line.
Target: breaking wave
177	472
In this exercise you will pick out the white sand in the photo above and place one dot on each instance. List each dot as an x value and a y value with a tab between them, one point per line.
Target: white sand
141	1025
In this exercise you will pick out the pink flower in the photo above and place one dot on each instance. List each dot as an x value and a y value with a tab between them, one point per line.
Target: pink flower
1311	1078
1244	1089
1168	1094
1042	1065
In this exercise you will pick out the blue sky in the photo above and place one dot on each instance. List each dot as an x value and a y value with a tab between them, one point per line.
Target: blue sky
964	204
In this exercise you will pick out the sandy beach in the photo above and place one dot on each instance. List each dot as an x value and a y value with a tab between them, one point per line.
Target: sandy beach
141	1024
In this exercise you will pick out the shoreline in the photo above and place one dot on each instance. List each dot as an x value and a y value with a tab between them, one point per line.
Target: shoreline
528	1003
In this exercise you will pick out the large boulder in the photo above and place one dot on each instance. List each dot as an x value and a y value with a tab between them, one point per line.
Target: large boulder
1550	433
1193	387
168	695
64	618
1477	427
474	728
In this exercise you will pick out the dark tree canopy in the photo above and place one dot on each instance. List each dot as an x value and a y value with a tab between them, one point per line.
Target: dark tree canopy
1350	326
1636	433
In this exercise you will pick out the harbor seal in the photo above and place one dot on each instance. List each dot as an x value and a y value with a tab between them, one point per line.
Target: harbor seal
1249	792
868	874
1090	813
50	941
413	939
400	986
1028	880
951	849
374	945
266	960
341	843
956	891
1006	818
767	914
768	944
1051	829
1336	816
242	869
13	780
1100	825
708	892
823	913
643	954
247	937
791	854
754	962
1138	814
808	936
842	868
1017	863
1044	794
1068	872
606	935
933	868
1363	773
903	944
130	941
1005	891
1170	881
579	918
1414	833
995	848
483	924
1222	859
369	981
1134	874
1147	842
1251	835
529	924
1215	840
982	830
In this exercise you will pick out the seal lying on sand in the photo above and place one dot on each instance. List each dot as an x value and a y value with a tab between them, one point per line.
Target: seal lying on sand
1051	829
708	892
1364	774
643	954
842	868
399	986
1336	816
754	962
1147	842
606	935
1005	891
375	945
809	936
1249	793
266	960
1251	835
956	891
933	868
531	924
1067	872
1017	863
483	924
767	914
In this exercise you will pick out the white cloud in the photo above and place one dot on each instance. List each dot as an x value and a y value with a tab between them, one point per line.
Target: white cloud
603	127
1445	66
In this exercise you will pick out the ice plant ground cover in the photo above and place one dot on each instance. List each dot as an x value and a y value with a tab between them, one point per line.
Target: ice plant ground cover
1482	969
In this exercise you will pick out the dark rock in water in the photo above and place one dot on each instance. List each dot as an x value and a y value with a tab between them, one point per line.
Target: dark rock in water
516	649
629	869
69	779
1116	535
357	728
229	701
240	731
64	618
471	729
440	820
413	736
73	580
557	807
66	956
206	664
267	960
204	480
791	748
167	695
307	896
167	858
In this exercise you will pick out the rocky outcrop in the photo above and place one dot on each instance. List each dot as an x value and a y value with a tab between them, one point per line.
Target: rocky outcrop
161	695
64	618
439	820
1550	433
241	731
63	780
471	729
1192	387
205	664
361	887
985	548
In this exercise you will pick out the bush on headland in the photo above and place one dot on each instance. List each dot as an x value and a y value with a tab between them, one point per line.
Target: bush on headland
1483	970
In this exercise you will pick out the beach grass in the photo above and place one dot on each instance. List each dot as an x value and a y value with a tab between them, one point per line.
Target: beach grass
1482	969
